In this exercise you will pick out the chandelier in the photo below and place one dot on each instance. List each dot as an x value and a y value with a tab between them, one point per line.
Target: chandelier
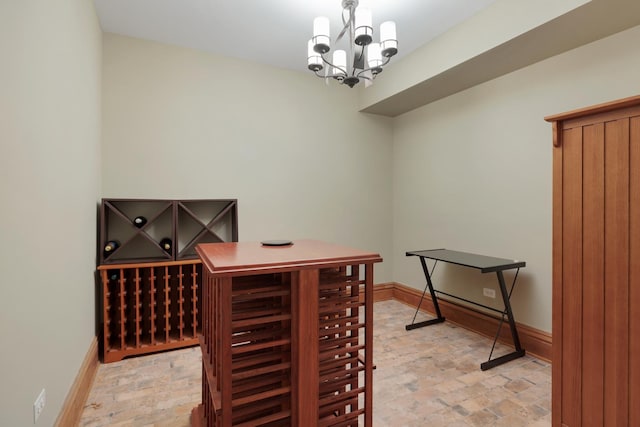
364	58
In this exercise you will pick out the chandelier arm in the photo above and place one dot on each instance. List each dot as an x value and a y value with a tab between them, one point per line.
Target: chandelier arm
334	66
373	68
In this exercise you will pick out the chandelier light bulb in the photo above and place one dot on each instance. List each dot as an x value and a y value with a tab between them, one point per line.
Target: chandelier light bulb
339	63
388	39
314	60
374	56
321	36
364	27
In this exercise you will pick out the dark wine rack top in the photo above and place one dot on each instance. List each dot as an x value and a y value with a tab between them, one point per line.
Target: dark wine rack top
185	223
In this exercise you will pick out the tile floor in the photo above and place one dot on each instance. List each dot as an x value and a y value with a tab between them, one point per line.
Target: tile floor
425	377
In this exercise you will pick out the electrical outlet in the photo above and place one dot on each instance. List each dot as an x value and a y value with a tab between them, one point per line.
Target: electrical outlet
491	293
38	405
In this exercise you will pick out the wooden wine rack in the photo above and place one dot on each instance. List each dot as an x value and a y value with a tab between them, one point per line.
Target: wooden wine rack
287	336
258	382
341	343
151	296
185	223
150	307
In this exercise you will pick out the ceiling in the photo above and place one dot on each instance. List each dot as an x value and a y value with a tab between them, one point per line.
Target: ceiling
273	32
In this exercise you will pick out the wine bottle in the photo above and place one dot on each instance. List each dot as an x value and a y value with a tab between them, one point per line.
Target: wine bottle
166	244
111	246
139	221
113	274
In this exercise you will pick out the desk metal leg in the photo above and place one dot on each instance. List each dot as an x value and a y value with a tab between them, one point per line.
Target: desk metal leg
519	351
434	298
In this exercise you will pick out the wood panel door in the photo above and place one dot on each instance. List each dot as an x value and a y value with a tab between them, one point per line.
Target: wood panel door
596	266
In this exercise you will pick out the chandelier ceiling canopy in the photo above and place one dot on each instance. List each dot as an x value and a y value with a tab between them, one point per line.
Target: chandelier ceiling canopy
363	58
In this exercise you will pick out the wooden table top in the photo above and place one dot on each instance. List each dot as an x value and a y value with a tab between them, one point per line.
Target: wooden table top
242	258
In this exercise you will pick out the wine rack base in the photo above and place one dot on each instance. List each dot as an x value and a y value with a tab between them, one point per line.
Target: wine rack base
149	307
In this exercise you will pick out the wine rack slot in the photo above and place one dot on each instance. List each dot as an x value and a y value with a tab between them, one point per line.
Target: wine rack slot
150	307
204	221
136	243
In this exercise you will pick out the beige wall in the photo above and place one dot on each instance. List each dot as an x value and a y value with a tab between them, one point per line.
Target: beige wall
473	171
50	148
302	162
470	172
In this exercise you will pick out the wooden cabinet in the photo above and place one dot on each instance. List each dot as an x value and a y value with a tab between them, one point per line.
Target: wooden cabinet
151	294
287	335
596	265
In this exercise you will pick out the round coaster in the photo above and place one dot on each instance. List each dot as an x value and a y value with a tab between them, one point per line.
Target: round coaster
276	242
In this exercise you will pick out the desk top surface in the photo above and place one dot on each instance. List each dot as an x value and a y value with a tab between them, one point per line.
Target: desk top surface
241	258
482	262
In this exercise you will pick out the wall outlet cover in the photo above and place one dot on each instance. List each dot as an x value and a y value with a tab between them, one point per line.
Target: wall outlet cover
487	292
38	405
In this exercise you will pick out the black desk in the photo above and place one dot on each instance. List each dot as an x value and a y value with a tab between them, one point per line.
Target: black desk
485	264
